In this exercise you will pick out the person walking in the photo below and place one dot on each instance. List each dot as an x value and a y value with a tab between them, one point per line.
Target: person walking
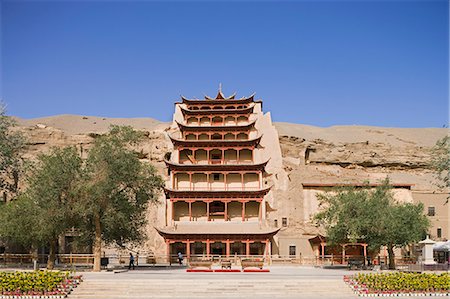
131	261
180	258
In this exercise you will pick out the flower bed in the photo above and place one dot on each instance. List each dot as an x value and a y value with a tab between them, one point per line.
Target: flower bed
399	284
37	284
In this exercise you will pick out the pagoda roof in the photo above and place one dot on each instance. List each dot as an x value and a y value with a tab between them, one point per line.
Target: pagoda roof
217	111
212	230
209	100
216	128
213	167
216	193
215	142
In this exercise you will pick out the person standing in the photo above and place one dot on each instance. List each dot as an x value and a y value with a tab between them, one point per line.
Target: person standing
131	261
180	258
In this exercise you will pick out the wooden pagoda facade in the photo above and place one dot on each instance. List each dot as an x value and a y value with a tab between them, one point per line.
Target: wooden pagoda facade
215	198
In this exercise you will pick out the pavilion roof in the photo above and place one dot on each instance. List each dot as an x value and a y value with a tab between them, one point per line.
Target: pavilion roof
215	142
184	127
258	193
247	110
215	167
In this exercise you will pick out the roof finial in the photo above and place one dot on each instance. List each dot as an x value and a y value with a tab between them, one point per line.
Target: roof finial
220	87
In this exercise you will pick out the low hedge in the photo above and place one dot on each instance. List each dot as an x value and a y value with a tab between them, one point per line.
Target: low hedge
399	282
22	283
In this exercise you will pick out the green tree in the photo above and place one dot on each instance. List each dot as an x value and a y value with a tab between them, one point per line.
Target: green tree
11	146
52	186
44	211
440	162
371	216
116	190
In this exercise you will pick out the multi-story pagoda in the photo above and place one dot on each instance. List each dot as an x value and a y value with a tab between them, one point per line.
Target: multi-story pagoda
216	196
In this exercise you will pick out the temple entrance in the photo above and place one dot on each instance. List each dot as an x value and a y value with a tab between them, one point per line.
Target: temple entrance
218	248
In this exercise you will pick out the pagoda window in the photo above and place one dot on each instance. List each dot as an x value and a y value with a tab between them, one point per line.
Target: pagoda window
203	137
251	181
252	210
181	211
216	136
245	155
201	156
234	181
217	120
205	108
230	156
242	136
217	181
217	207
241	120
215	156
199	181
218	108
229	136
183	182
205	121
191	137
186	157
193	108
192	121
235	211
230	120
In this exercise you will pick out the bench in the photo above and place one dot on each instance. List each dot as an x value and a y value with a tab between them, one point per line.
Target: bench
200	264
247	263
355	264
225	264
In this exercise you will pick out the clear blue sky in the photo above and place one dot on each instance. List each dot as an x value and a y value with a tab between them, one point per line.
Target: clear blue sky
321	63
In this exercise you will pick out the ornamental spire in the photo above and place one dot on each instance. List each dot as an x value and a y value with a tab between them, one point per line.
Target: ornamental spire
220	95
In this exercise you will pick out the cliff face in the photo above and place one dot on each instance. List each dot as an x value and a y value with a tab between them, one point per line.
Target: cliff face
309	155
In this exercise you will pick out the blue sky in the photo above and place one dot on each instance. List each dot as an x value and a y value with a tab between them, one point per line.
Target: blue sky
322	63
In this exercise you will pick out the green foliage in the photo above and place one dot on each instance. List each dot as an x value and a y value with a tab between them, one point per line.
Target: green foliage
36	283
371	216
441	162
22	222
117	187
409	282
11	145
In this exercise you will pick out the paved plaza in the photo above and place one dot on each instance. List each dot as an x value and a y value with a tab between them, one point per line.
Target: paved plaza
281	282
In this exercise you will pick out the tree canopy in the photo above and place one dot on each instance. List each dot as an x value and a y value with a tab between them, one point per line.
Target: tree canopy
440	162
115	191
371	215
11	145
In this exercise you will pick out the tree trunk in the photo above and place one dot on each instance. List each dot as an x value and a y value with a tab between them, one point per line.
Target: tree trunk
97	244
34	256
390	249
51	255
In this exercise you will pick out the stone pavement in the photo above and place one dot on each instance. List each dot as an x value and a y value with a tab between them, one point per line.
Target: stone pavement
283	282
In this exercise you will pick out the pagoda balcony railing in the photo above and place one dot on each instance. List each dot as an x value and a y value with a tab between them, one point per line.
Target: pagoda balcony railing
222	188
217	162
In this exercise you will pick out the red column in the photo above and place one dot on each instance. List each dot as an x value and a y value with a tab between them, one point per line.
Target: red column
227	247
266	248
190	210
173	210
208	249
190	181
188	248
225	216
243	211
322	252
242	181
207	210
260	212
237	156
247	247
